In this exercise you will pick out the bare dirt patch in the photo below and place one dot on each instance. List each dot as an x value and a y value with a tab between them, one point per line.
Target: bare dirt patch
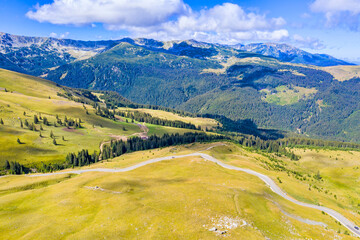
72	130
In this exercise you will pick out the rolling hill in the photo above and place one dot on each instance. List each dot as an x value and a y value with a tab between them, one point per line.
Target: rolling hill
42	122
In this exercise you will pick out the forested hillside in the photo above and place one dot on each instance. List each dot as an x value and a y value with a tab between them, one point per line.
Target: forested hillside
202	78
272	94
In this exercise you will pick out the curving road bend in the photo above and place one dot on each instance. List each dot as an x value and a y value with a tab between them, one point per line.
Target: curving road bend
340	218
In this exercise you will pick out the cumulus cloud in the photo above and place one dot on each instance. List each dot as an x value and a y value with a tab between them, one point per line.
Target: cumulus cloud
165	19
226	23
122	12
346	12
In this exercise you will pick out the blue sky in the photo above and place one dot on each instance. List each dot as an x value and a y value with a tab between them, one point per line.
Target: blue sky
324	26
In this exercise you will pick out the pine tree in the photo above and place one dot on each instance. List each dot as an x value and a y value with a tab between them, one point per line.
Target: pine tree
54	142
26	123
7	165
18	141
52	134
36	120
21	124
24	113
63	138
45	121
1	121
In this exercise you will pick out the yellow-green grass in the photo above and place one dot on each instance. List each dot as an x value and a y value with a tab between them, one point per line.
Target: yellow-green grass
286	96
343	73
339	171
177	199
31	95
202	122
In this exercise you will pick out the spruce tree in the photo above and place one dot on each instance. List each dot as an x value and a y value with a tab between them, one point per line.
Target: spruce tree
18	141
21	124
52	134
1	121
54	142
36	120
45	121
7	165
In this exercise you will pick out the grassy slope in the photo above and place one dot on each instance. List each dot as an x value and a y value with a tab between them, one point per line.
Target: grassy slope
137	205
202	122
31	95
343	73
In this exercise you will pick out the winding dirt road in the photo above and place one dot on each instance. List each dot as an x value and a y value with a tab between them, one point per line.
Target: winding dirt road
273	186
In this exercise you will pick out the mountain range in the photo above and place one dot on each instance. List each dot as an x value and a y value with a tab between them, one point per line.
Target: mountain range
274	85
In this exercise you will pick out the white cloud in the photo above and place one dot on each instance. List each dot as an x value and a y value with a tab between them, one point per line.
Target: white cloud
326	6
122	12
64	35
307	42
339	12
226	23
53	35
166	19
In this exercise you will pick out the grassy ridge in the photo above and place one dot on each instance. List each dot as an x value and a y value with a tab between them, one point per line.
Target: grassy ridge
136	204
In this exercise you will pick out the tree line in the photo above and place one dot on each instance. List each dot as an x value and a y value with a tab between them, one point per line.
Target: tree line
118	148
148	118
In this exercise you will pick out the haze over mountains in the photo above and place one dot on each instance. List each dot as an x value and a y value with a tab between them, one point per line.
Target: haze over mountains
273	85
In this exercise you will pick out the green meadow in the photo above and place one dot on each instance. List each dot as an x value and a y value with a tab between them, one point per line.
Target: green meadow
183	198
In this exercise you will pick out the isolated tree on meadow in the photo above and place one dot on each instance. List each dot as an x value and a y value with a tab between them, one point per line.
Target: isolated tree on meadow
36	120
52	134
21	124
18	141
54	142
45	121
1	121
